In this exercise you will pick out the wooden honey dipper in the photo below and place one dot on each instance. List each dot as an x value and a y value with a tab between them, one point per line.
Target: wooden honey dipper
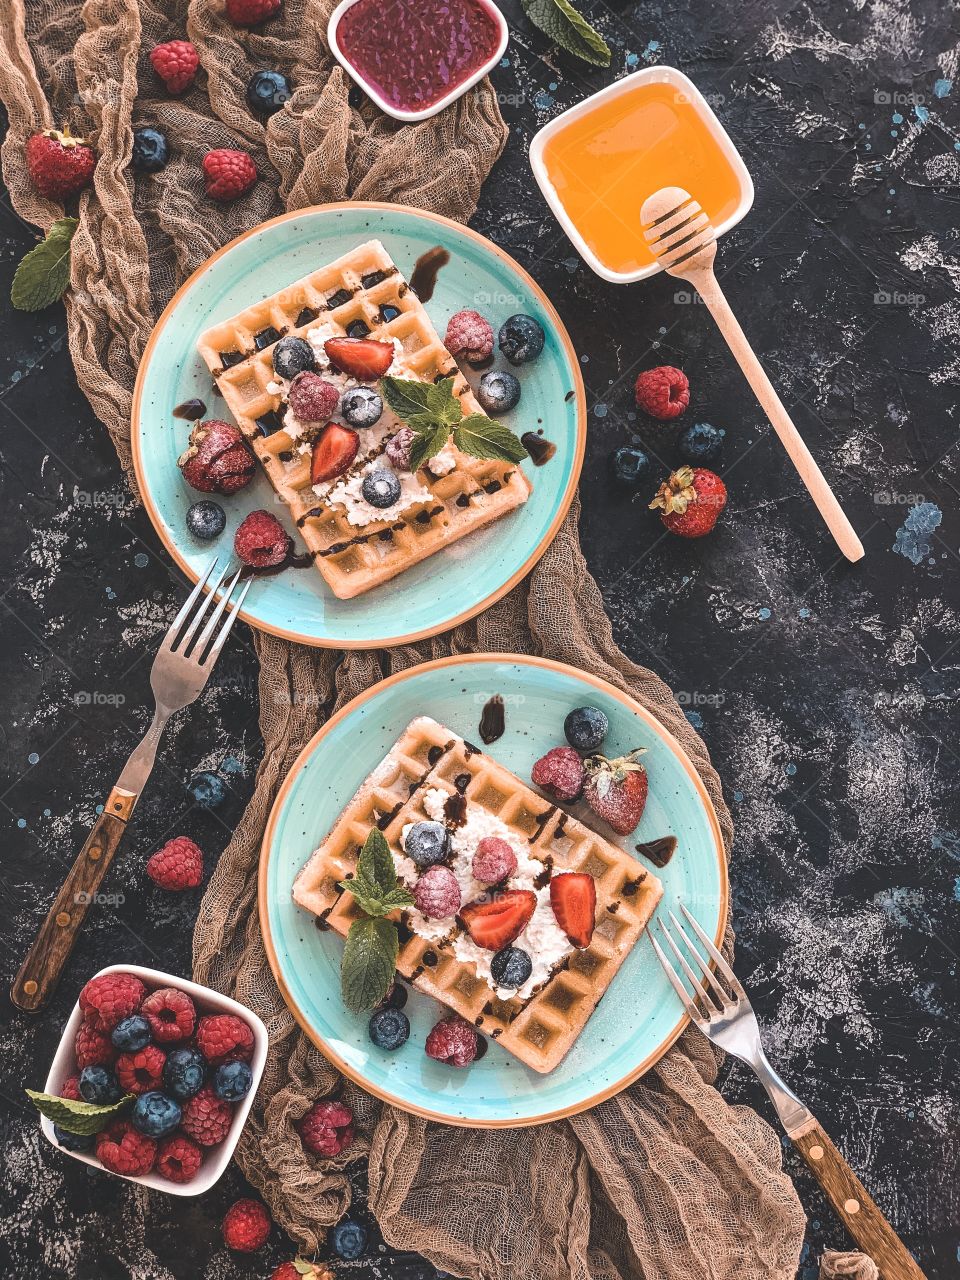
682	239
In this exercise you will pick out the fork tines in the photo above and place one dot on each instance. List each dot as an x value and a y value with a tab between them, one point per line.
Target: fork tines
675	226
708	1000
204	649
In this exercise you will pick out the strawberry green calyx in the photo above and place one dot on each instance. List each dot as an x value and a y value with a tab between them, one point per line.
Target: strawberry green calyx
607	772
676	493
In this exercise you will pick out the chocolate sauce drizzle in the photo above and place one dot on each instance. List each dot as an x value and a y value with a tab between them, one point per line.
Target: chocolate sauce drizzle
192	410
423	279
492	720
540	450
659	851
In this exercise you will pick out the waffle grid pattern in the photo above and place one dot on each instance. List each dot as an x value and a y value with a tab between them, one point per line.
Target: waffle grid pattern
542	1029
362	286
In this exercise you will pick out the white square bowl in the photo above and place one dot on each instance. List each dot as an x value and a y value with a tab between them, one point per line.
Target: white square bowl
647	75
215	1159
409	117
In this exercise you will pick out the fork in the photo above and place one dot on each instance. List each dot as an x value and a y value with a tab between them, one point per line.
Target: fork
180	672
727	1018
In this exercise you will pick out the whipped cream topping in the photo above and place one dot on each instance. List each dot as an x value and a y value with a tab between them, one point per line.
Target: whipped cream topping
543	939
348	493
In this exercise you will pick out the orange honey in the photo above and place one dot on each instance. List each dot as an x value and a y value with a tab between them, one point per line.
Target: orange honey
605	162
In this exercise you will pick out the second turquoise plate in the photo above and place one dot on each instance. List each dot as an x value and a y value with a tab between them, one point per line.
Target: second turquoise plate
448	587
639	1016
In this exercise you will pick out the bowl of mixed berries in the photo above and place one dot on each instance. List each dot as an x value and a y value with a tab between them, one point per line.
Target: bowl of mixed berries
154	1079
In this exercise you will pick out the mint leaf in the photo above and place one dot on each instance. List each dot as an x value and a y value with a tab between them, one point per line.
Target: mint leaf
369	963
405	396
44	273
428	443
442	403
85	1118
483	438
561	23
375	863
397	899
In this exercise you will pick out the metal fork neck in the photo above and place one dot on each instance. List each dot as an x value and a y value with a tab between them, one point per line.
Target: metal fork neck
793	1114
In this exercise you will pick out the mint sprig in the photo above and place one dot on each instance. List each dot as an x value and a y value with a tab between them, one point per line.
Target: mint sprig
83	1118
561	22
432	412
43	275
370	955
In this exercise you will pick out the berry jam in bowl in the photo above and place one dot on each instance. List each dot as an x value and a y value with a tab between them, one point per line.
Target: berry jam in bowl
424	57
188	1059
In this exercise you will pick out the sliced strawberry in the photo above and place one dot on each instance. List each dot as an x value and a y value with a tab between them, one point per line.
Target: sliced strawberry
333	451
573	897
493	922
361	358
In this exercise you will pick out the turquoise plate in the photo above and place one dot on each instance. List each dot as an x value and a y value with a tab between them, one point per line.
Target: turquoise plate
638	1018
448	587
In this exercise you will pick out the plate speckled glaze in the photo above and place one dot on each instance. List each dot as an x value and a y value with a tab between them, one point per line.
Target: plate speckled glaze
445	589
638	1018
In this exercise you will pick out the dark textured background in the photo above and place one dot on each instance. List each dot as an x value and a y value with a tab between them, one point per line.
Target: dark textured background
827	693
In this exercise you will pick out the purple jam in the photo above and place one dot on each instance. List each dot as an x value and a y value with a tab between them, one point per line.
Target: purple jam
424	51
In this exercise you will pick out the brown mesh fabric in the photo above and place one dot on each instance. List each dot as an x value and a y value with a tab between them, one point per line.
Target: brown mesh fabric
664	1181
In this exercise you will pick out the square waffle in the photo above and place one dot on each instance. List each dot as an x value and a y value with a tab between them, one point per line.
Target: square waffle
362	291
538	1030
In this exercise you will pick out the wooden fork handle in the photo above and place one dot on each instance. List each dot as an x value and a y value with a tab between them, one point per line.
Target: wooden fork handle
872	1232
41	970
833	514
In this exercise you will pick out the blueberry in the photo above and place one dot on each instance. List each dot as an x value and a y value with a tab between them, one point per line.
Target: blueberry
150	151
267	91
292	356
498	391
206	520
361	407
511	967
521	339
630	465
381	488
348	1239
73	1141
389	1028
700	443
427	843
131	1035
99	1085
232	1081
207	789
586	728
155	1114
184	1073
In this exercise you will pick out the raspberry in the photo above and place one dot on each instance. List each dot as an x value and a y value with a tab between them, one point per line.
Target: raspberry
178	1159
247	13
327	1128
93	1049
71	1089
121	1149
59	164
223	1037
216	459
171	1015
261	540
178	865
228	174
452	1041
109	999
663	392
493	861
246	1226
399	447
469	335
140	1072
206	1118
176	64
559	773
312	398
437	894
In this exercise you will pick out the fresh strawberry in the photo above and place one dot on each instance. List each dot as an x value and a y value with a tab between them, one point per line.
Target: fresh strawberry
59	164
362	358
616	790
573	897
333	451
691	501
493	922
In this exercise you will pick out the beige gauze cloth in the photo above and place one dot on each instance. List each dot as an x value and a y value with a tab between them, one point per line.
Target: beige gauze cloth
664	1181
